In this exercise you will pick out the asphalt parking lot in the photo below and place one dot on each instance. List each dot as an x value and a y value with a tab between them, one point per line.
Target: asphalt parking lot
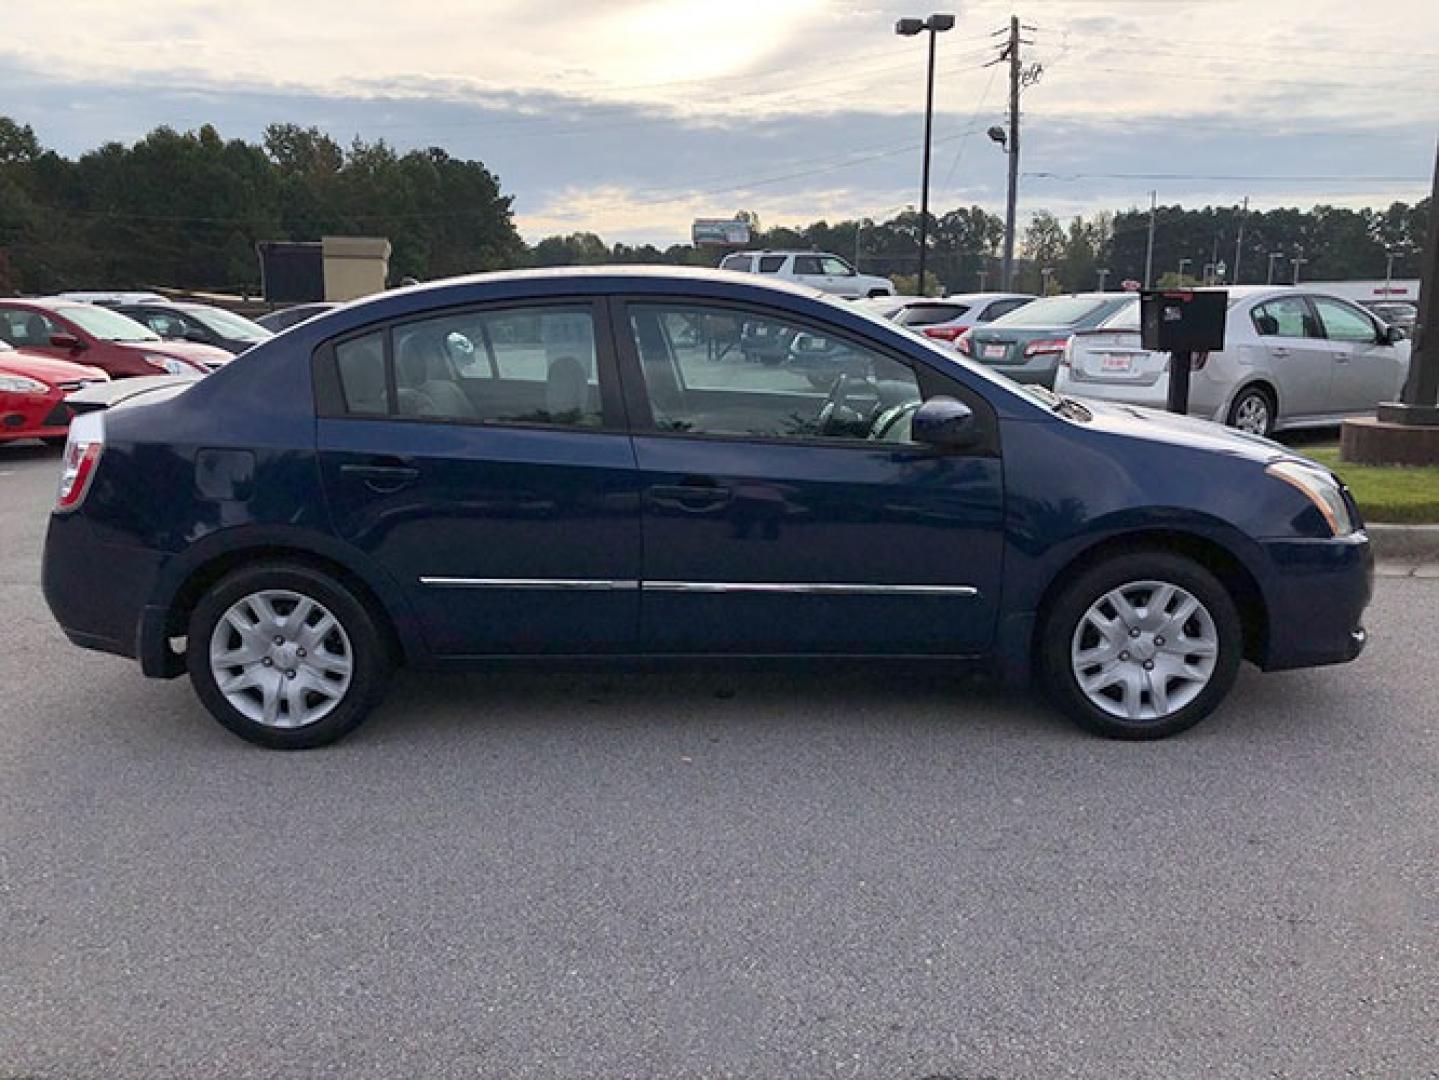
856	874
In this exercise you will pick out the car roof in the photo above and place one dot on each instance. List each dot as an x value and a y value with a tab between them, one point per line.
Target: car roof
45	303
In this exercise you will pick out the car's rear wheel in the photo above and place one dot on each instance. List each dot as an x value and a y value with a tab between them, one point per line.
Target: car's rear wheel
1141	646
286	656
1252	411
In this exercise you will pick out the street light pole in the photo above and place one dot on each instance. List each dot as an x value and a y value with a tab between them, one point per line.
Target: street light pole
1182	264
936	24
1273	257
1298	260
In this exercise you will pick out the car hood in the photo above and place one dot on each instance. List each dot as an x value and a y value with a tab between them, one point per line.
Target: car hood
1158	426
47	369
193	351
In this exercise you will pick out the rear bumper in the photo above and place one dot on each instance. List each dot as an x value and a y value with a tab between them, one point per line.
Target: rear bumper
1039	370
1317	595
98	591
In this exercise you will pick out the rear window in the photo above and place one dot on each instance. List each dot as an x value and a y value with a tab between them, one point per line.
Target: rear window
1056	311
1126	318
930	314
736	262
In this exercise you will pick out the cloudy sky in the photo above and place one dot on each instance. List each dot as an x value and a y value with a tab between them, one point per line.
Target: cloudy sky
631	117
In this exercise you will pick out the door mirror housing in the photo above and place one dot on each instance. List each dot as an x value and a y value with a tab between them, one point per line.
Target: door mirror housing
945	423
66	341
1393	335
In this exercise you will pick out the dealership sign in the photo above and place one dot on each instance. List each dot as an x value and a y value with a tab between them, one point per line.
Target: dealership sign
720	232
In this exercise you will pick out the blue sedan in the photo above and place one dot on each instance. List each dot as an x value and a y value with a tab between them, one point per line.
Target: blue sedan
542	465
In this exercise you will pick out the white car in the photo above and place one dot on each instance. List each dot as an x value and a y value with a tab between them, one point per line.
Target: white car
817	269
1292	358
945	318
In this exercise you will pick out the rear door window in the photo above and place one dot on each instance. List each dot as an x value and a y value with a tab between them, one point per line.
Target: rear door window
361	366
771	264
1287	316
807	266
741	263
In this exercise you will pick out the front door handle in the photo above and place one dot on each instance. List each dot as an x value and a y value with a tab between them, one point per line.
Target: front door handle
383	474
1278	350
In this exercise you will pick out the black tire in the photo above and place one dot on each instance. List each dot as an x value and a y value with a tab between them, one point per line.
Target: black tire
53	440
370	654
1064	616
1251	397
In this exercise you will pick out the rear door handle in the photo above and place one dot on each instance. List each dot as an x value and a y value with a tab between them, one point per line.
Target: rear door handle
1278	350
693	495
382	474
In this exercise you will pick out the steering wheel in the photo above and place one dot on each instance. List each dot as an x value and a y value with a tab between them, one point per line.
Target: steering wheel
836	409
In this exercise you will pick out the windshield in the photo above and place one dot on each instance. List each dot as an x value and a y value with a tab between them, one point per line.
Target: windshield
1056	311
107	325
228	324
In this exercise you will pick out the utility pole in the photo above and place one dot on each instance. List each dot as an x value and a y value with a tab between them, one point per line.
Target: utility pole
1013	151
1182	264
1239	240
1273	256
1388	270
1103	277
1299	260
1149	246
983	279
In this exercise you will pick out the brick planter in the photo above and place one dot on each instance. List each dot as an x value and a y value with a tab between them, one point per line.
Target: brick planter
1376	442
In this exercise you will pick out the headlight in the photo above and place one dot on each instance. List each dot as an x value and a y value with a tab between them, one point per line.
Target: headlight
169	364
19	384
1323	491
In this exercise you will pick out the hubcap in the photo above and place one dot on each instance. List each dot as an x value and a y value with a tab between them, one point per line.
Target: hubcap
281	658
1145	650
1252	416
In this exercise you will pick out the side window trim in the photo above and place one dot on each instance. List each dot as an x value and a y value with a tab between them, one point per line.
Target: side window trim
641	416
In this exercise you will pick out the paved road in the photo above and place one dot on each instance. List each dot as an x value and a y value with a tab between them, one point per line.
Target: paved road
711	876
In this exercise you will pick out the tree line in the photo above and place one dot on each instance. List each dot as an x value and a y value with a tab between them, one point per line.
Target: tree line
187	209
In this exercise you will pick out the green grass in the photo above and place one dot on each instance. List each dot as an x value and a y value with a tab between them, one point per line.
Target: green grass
1393	493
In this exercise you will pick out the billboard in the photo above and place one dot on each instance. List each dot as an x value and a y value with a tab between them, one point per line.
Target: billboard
719	232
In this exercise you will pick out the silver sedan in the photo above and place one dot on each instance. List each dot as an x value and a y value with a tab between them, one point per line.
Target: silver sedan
1292	358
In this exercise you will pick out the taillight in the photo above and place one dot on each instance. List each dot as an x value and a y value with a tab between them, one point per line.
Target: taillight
82	455
1045	346
964	344
943	333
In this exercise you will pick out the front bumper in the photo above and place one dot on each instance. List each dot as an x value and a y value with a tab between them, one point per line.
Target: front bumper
1318	590
33	416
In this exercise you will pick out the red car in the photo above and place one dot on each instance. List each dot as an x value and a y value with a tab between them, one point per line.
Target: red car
33	390
99	337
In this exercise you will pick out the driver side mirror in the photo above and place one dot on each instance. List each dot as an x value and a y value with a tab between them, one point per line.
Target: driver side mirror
1393	335
944	422
66	341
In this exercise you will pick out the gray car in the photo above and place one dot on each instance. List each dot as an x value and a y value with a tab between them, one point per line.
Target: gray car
1292	358
1026	344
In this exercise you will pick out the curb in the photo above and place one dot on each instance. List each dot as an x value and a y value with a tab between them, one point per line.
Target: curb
1416	542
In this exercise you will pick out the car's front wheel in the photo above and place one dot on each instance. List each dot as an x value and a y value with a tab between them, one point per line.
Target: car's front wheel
286	656
1141	646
